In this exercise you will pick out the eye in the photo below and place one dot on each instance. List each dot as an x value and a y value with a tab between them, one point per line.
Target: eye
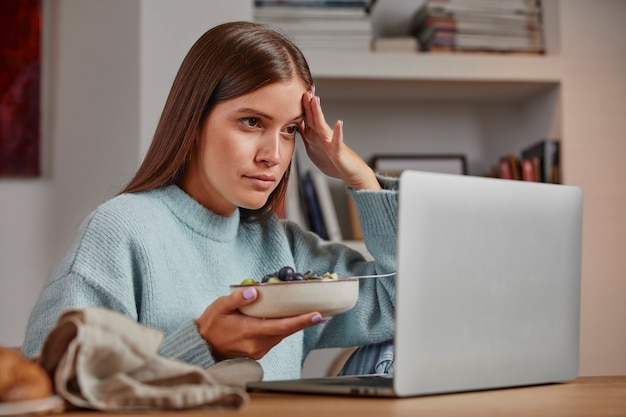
250	121
291	130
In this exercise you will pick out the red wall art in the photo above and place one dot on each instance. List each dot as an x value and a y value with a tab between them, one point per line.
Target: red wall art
20	75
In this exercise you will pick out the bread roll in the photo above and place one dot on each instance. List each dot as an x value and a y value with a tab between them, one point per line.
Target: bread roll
20	378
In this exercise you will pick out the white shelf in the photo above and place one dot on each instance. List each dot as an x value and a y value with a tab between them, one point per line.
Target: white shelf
434	66
432	76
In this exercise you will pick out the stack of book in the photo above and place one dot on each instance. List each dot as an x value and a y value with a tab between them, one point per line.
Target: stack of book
538	162
479	25
342	25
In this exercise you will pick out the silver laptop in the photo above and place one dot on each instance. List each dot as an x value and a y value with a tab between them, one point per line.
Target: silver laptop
487	289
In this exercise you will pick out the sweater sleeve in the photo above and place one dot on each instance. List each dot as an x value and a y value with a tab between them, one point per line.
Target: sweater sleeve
90	274
64	290
186	344
74	291
109	267
378	218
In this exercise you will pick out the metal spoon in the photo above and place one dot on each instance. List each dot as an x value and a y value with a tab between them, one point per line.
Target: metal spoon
374	276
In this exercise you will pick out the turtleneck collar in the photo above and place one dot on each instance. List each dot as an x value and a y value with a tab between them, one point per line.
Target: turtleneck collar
197	217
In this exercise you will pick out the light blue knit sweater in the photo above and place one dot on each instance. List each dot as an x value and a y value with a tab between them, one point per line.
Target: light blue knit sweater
162	258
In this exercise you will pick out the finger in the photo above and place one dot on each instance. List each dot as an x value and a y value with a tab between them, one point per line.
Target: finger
312	107
306	104
317	114
258	336
338	133
285	326
243	296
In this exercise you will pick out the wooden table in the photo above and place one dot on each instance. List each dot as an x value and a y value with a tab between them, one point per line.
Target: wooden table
586	396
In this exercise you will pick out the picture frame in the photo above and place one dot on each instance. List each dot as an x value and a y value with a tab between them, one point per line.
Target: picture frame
20	88
393	165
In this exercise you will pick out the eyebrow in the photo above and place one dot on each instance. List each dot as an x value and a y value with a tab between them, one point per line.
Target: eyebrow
248	110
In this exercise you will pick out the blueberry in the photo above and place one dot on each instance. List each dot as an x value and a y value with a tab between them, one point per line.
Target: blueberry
285	272
296	276
267	277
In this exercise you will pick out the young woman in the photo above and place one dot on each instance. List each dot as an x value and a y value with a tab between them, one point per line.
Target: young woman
198	217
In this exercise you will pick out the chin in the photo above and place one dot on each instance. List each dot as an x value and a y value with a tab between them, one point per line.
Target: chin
253	200
252	206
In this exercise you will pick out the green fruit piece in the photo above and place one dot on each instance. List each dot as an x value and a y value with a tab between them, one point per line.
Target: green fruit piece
249	281
312	277
328	275
273	280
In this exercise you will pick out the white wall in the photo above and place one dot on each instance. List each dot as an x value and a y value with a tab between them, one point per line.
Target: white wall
594	104
90	111
168	29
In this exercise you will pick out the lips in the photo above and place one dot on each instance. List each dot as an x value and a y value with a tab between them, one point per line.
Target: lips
262	181
263	177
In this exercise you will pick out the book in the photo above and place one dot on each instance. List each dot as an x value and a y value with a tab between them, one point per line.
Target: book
313	210
508	168
395	44
317	18
327	206
544	156
488	7
479	25
335	25
504	170
353	216
294	210
337	43
321	25
460	41
361	4
529	169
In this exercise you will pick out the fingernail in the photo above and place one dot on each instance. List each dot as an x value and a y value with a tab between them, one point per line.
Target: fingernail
318	319
310	93
318	99
249	293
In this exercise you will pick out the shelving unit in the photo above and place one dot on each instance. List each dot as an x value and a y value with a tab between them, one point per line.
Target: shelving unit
481	105
484	106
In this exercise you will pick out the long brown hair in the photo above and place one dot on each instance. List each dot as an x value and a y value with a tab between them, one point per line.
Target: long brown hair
228	61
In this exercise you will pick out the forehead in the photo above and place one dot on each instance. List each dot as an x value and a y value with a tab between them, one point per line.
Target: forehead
280	98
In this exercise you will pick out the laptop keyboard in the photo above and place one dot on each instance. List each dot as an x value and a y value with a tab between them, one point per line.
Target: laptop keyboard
383	380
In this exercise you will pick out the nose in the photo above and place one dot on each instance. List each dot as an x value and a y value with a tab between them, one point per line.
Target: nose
270	148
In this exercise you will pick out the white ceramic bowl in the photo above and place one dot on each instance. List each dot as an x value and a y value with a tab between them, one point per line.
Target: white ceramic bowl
286	299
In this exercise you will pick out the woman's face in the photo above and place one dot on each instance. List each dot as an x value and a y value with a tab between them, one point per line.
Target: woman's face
245	147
